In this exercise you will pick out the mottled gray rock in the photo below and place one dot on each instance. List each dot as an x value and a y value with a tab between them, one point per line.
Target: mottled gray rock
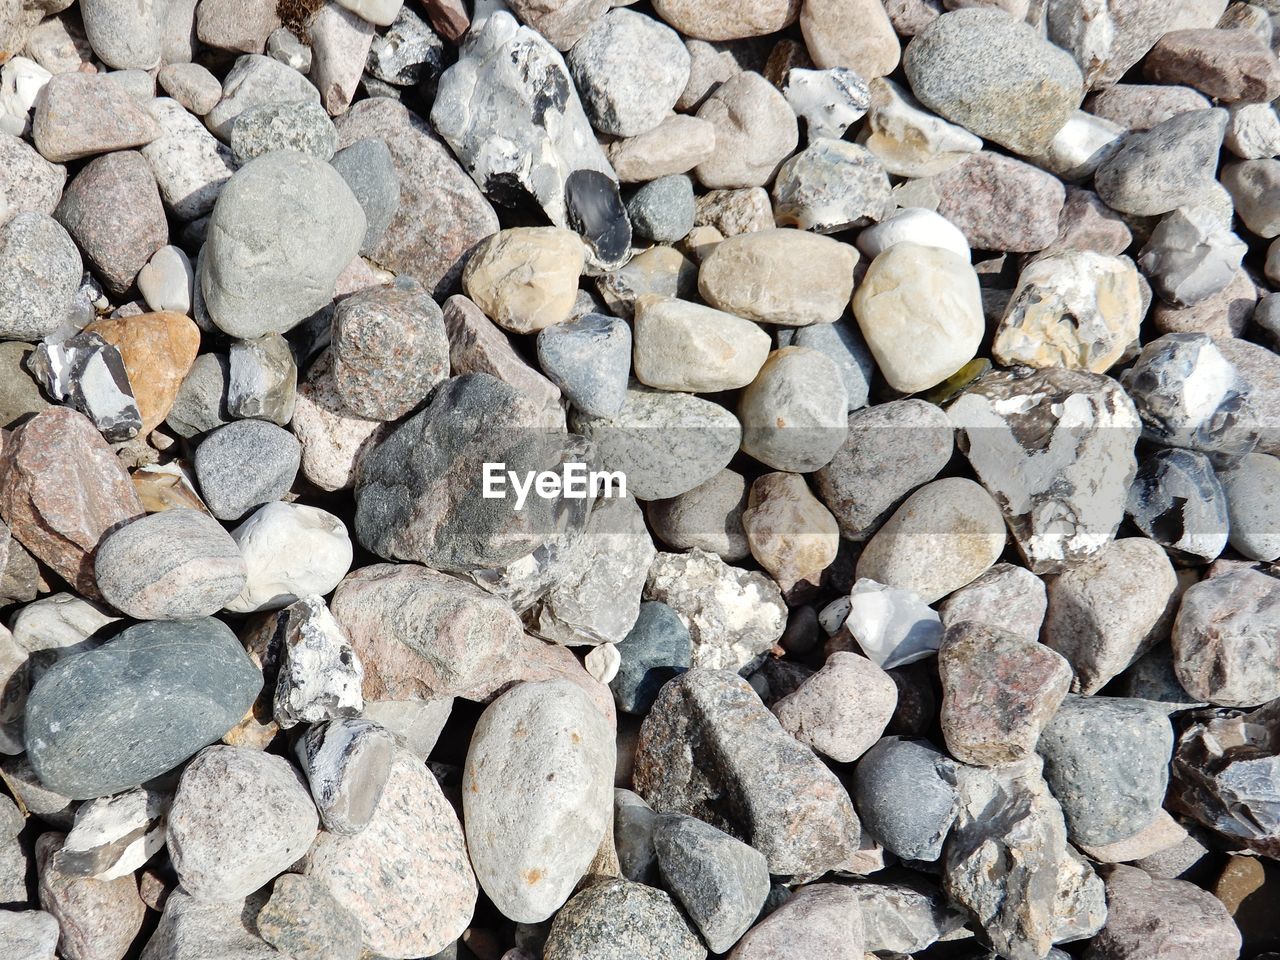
789	428
191	85
1143	912
253	80
28	182
1177	500
95	723
99	918
831	186
819	920
588	359
1251	488
245	464
619	917
687	346
295	125
30	934
303	920
633	825
262	379
905	915
1009	597
40	271
710	749
1107	43
656	649
189	929
369	169
663	209
841	710
562	22
1171	165
188	162
999	203
893	770
201	402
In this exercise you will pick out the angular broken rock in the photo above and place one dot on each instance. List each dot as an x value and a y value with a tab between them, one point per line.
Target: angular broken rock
819	920
841	710
320	675
88	373
710	749
347	762
99	918
114	836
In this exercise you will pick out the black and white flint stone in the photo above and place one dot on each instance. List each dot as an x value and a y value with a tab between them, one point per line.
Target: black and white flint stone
829	101
1177	500
597	213
88	373
410	52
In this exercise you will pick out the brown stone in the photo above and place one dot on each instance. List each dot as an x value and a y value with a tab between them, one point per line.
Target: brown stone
158	350
791	534
850	33
1150	919
448	18
1000	203
1221	316
61	490
99	918
1228	65
1241	878
81	114
727	19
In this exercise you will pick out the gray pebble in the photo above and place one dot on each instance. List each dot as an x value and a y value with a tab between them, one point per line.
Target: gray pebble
894	770
262	379
367	167
794	414
40	271
1165	167
303	921
663	209
831	186
633	825
201	404
708	517
656	649
618	918
123	35
300	125
1192	255
191	85
252	80
1252	487
588	359
244	465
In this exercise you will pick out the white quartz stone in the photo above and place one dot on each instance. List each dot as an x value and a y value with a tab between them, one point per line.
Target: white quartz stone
892	626
913	225
290	550
166	282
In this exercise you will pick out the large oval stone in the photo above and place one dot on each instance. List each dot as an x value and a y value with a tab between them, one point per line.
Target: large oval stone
111	718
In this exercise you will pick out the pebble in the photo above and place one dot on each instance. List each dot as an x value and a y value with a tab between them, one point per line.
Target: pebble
1253	185
1191	255
200	404
831	186
167	281
842	710
188	926
588	359
347	762
30	934
1080	147
191	85
252	80
857	36
299	125
236	24
603	662
800	818
893	627
82	115
1222	316
663	209
1226	65
21	81
40	271
735	211
532	834
96	726
842	342
408	53
340	42
98	917
1253	132
562	23
1107	45
319	674
913	225
303	920
819	920
1250	489
88	374
263	795
790	533
1165	167
28	182
906	915
708	517
245	464
1143	910
755	131
290	551
173	565
157	350
615	916
829	101
789	428
262	379
720	881
999	203
190	166
676	145
114	836
908	139
1177	500
686	346
893	768
525	278
369	169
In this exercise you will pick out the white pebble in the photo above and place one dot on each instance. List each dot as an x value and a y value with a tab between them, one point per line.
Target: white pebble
290	551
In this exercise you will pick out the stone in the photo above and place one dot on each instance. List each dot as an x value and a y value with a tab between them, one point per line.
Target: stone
188	162
755	131
262	379
112	208
21	81
797	278
1223	644
1143	910
594	209
1106	44
1250	488
895	768
720	881
663	210
332	440
1191	256
995	77
1253	131
188	926
293	125
890	449
603	662
252	80
788	427
633	827
532	835
1080	147
245	464
88	374
347	762
676	145
300	210
20	397
61	489
708	517
735	211
562	22
893	627
29	182
1177	500
422	897
618	915
831	186
908	914
340	41
840	711
821	920
1261	368
588	358
1222	316
114	836
173	565
686	346
95	725
1163	834
908	139
166	282
1000	203
369	168
842	342
999	691
664	443
1253	185
709	749
656	649
829	101
1227	65
410	52
1061	484
191	85
525	278
729	19
81	114
1165	167
1086	223
290	550
1106	759
303	920
200	404
40	272
236	24
320	676
854	35
99	918
158	349
791	534
1139	107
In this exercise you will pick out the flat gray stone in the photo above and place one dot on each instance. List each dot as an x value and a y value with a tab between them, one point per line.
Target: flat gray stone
370	171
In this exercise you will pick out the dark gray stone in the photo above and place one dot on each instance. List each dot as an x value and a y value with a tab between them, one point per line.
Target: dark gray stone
905	792
596	211
588	359
1177	500
663	209
114	717
294	125
657	649
201	404
244	465
618	918
633	825
370	172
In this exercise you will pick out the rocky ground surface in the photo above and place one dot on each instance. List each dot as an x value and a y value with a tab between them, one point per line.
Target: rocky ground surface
936	341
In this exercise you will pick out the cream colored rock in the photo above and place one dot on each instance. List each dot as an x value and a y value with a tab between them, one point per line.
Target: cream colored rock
945	535
291	550
782	276
909	140
913	225
756	130
850	33
1079	310
841	710
676	145
526	278
791	534
678	345
920	311
727	19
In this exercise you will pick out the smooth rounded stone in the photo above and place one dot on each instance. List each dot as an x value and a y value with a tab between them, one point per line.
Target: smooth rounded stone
664	443
538	796
423	894
589	359
941	538
290	211
818	920
525	278
200	404
727	19
28	182
720	881
99	918
304	921
659	271
237	25
1254	186
891	626
95	723
1189	395
30	934
892	770
629	70
245	464
1227	65
1165	167
791	534
191	85
708	517
173	565
1253	132
620	918
831	186
676	145
369	170
796	278
1000	203
112	208
755	130
1252	488
167	281
61	489
190	928
347	762
1177	500
794	413
40	271
340	42
290	550
829	101
81	114
389	350
685	346
634	824
1139	107
913	225
259	792
603	662
332	439
1225	641
856	35
841	710
1192	255
890	449
1150	918
663	209
994	76
710	749
299	125
920	310
842	342
998	692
